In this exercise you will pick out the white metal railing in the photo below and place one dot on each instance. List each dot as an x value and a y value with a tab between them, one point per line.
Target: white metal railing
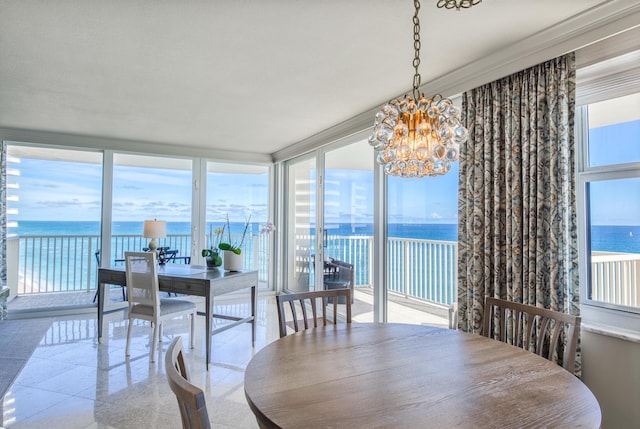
64	263
417	268
615	278
422	269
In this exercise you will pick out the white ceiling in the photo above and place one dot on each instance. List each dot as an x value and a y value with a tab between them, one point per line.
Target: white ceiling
258	76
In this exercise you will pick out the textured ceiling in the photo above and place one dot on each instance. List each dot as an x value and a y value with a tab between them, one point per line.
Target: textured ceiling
249	76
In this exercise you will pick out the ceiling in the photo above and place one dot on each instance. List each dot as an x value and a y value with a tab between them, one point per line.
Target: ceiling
256	77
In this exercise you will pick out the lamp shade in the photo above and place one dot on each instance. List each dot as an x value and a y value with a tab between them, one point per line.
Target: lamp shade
155	229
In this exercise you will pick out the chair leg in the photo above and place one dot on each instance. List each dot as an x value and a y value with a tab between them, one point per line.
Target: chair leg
124	296
129	326
152	352
193	326
160	332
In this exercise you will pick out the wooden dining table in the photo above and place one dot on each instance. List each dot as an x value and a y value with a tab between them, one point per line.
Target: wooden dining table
373	375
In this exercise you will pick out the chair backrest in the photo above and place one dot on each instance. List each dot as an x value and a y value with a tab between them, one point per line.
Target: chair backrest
142	279
532	328
191	401
303	301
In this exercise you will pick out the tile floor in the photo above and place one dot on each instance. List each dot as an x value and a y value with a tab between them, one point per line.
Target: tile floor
72	381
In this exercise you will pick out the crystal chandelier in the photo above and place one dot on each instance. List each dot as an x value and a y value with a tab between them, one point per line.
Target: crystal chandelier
418	136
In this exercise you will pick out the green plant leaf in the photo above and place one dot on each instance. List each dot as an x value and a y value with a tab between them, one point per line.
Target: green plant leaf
224	246
237	251
206	252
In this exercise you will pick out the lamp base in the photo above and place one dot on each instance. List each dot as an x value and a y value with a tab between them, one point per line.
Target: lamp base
153	245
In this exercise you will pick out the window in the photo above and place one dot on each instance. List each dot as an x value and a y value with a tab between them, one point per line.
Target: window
150	187
241	193
53	218
610	185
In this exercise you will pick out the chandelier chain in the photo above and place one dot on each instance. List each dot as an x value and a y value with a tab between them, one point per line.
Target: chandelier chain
416	48
457	4
419	136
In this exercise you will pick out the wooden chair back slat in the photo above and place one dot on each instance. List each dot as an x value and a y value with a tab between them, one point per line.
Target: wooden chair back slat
306	301
532	328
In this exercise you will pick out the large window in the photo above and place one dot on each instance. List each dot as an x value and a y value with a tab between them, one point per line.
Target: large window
147	188
422	225
240	193
53	217
610	182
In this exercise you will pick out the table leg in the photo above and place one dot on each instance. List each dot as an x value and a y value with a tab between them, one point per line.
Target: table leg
207	327
100	309
254	302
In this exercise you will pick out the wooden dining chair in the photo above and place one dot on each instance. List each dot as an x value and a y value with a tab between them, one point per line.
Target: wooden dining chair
301	303
532	328
144	298
191	401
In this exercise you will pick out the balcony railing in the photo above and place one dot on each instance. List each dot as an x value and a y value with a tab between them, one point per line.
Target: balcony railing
420	269
615	278
64	263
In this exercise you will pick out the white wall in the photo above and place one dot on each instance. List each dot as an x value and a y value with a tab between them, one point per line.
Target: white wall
611	369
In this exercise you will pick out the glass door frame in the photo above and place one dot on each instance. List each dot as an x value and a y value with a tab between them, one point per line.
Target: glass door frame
286	218
379	220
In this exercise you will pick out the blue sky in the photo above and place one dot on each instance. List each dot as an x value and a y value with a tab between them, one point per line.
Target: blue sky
72	191
56	190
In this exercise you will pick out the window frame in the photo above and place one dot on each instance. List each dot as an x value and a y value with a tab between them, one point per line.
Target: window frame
606	318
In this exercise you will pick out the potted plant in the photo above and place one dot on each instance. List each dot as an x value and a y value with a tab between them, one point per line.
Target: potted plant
212	255
233	250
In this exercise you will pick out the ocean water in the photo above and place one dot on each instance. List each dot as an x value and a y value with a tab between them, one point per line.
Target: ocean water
610	238
443	232
61	263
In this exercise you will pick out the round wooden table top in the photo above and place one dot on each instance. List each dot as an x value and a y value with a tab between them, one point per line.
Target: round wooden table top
410	376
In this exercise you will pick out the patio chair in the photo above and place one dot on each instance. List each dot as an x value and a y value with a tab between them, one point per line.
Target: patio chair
532	328
337	275
308	300
191	401
144	298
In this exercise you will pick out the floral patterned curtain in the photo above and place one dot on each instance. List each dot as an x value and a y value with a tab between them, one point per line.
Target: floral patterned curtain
517	213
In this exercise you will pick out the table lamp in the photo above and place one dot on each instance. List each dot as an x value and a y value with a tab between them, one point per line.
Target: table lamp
154	229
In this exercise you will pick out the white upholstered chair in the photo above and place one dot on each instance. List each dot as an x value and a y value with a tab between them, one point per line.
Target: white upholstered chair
144	298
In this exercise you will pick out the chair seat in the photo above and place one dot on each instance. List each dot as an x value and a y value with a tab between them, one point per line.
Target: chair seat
167	306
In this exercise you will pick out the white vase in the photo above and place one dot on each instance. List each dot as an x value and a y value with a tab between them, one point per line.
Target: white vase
232	262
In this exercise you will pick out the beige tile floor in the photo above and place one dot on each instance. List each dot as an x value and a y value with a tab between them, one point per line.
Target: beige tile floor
72	381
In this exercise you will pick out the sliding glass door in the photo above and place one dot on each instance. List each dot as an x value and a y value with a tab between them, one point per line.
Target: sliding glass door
300	224
329	222
348	223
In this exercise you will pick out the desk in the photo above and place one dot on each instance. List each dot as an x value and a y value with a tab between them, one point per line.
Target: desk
191	280
410	376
